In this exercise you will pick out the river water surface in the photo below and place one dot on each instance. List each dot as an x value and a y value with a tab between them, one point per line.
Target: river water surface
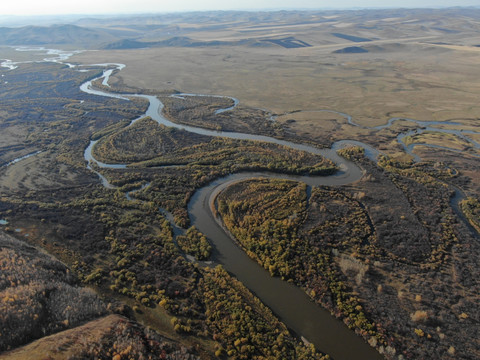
287	301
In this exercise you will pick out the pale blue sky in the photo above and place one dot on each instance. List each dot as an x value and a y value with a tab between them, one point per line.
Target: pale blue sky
51	7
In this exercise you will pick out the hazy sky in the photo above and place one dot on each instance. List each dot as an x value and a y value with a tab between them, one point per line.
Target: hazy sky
50	7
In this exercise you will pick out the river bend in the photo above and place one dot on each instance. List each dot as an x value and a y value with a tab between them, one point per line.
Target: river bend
288	302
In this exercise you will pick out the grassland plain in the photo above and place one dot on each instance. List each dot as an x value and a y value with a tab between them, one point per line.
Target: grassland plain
420	65
404	73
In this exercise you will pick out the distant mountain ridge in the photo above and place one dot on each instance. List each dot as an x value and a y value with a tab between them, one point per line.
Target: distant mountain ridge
92	38
253	29
55	35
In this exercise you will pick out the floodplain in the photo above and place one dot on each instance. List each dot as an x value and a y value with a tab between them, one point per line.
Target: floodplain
388	246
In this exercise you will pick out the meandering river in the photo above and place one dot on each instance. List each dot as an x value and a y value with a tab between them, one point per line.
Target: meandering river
288	302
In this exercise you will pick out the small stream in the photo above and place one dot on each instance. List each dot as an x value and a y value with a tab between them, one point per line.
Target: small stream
424	126
14	161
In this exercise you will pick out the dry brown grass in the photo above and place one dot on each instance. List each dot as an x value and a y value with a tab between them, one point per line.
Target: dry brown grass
112	337
371	87
404	74
70	341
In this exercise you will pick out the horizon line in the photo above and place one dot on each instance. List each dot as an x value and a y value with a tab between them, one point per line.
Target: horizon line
241	10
